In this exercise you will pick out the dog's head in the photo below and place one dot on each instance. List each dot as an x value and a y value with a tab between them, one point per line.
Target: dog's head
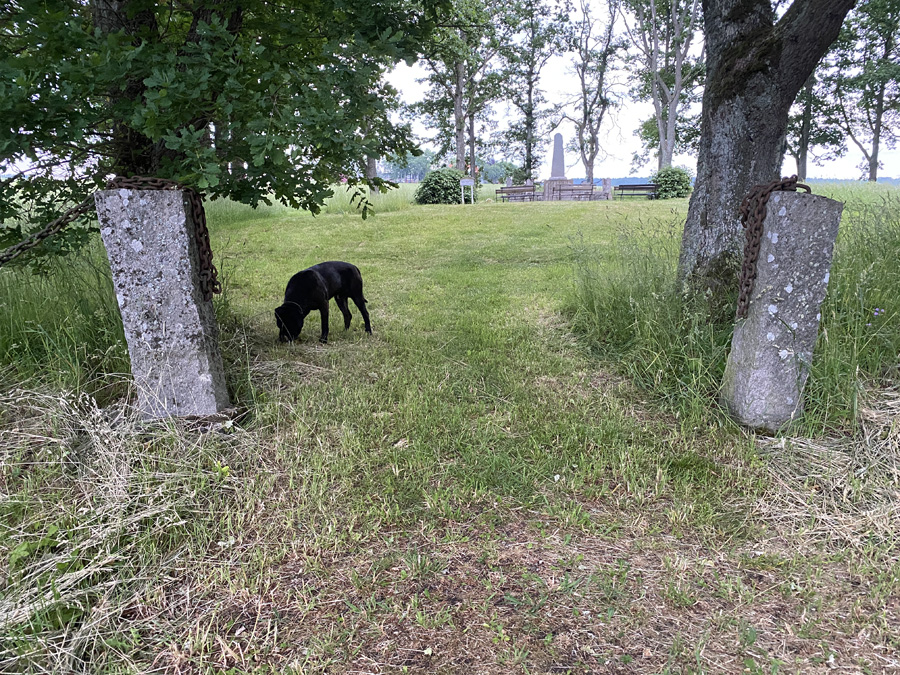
289	318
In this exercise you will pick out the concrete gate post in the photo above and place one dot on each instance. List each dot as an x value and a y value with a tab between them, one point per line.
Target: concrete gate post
772	348
171	330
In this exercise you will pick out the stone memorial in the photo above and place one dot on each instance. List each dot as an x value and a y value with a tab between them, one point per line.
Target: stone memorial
606	191
558	167
557	173
772	347
170	329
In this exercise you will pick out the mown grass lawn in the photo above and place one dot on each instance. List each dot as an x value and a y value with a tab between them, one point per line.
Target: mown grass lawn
468	490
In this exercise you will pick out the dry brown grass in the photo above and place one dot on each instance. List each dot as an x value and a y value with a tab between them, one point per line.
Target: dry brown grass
841	492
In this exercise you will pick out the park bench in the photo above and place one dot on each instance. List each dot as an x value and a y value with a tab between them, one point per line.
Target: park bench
516	193
582	192
643	190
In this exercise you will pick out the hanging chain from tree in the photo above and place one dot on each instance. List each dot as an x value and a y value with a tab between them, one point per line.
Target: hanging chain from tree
55	226
209	282
753	214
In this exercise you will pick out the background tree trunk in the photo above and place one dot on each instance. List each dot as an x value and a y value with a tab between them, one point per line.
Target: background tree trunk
754	70
132	151
805	130
876	134
459	116
472	166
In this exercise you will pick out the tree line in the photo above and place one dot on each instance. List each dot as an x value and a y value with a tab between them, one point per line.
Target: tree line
491	56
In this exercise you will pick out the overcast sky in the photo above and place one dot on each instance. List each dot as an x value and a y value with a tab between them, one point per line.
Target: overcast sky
619	141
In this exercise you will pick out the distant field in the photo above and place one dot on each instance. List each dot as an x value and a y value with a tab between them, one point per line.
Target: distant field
496	481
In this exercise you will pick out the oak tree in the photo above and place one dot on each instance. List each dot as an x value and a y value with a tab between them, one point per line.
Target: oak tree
757	61
595	49
667	40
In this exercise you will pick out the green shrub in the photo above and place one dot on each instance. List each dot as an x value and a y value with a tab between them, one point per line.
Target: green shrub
519	175
441	187
673	181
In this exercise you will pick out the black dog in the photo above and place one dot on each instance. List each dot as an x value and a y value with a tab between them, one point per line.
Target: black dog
312	289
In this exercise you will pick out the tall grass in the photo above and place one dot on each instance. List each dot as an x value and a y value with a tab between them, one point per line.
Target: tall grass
859	341
227	212
627	304
62	327
635	317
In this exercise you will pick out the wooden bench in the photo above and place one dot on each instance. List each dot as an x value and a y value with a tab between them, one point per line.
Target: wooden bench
516	193
576	193
647	190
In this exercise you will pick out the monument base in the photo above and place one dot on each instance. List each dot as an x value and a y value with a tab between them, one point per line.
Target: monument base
552	186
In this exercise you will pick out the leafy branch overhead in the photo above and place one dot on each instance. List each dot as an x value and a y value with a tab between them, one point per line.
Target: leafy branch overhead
253	101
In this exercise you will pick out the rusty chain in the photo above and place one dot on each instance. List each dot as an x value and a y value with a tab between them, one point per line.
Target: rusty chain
209	282
55	226
753	214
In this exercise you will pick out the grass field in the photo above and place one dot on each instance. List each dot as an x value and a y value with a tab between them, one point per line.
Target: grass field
496	481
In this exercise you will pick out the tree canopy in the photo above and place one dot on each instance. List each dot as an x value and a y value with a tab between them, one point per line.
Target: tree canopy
251	100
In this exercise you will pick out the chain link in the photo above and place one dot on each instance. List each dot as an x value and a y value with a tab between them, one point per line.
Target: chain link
55	226
209	282
753	214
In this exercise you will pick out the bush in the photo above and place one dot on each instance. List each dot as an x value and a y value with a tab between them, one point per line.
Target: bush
673	181
441	187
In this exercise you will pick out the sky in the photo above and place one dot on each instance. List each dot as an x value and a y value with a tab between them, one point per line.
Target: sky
559	83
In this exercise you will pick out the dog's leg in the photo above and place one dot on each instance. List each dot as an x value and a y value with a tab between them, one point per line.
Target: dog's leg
342	305
360	302
323	338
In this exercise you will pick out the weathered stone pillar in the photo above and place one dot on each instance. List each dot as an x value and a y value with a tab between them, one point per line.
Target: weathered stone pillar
772	348
171	330
606	192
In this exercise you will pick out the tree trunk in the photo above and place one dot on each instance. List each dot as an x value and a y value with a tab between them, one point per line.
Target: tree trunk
876	134
667	140
132	153
805	127
754	70
472	144
459	116
590	159
529	131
